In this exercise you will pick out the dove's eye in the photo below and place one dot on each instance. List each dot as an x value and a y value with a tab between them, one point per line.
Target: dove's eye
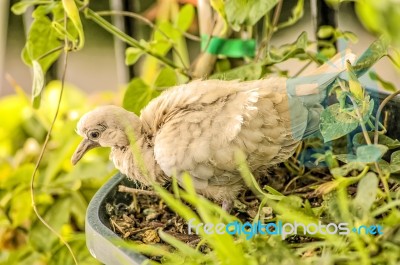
94	135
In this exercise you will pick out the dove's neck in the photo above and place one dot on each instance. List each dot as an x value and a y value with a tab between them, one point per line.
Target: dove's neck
137	160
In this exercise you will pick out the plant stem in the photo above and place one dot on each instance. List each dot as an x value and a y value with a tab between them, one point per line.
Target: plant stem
144	20
147	22
359	116
272	29
122	188
90	14
32	186
378	114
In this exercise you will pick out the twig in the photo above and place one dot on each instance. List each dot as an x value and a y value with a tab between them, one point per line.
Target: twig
122	188
378	114
303	68
275	20
32	188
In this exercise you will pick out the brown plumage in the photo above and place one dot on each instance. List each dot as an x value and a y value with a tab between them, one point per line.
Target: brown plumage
198	127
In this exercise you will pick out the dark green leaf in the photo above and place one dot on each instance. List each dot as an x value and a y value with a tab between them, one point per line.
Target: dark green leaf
247	13
137	95
371	153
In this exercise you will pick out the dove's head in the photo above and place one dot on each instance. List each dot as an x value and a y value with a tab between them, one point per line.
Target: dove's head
106	126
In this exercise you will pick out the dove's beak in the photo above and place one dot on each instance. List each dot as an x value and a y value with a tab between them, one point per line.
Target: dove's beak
83	147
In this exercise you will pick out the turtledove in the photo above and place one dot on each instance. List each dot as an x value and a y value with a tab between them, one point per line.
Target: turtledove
198	128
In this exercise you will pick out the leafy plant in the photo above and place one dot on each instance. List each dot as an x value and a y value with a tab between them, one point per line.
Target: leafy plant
62	192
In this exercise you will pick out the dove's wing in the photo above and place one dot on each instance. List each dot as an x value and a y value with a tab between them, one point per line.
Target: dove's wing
198	127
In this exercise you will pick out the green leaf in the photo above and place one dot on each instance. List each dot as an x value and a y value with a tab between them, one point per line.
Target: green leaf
21	7
385	84
288	50
375	51
371	153
325	31
166	78
181	246
137	95
73	14
354	84
247	13
344	170
348	35
62	256
19	213
164	38
336	123
185	17
395	162
37	84
42	38
381	17
297	14
250	71
132	55
40	237
366	192
20	175
359	139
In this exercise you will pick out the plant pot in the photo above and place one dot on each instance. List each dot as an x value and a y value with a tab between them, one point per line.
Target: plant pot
107	247
103	243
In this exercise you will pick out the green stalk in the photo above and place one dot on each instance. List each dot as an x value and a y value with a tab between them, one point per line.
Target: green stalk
90	14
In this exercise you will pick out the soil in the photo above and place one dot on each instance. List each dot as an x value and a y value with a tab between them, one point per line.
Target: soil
141	214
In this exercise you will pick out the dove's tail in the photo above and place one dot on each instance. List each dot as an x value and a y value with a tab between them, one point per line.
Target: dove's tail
311	89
